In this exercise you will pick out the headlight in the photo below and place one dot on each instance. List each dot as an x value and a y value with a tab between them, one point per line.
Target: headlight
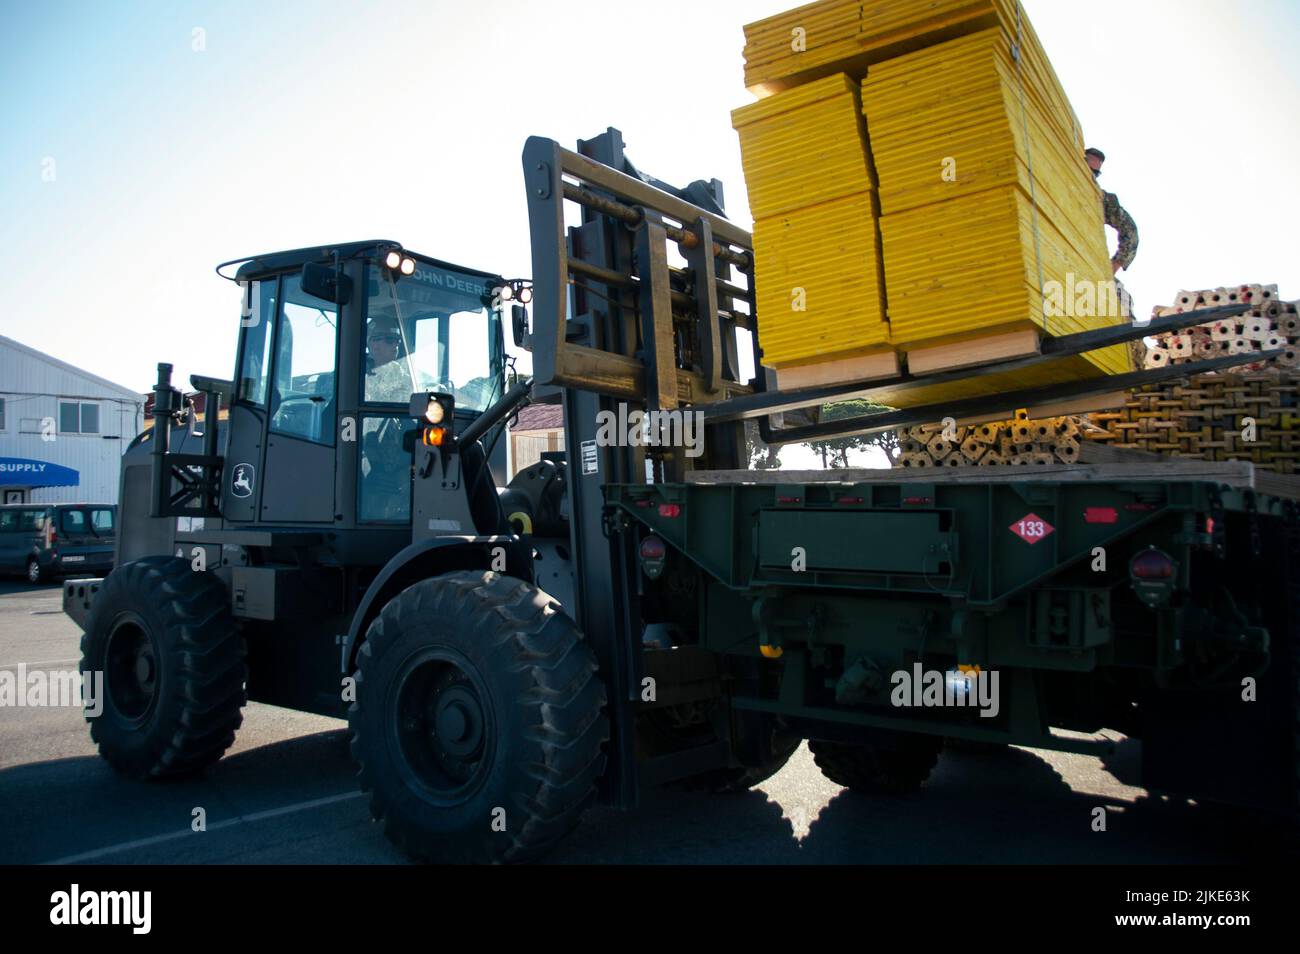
393	259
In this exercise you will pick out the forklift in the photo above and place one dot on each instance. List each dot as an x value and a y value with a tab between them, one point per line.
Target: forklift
627	613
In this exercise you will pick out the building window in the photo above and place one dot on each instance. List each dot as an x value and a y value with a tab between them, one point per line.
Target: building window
77	418
2	414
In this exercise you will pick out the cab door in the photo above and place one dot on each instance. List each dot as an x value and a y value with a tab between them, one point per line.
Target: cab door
298	468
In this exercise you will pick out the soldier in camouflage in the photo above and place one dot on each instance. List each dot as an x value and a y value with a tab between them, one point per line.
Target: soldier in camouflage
1116	217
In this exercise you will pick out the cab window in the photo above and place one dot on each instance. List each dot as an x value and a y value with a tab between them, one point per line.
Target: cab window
102	521
434	330
255	364
306	342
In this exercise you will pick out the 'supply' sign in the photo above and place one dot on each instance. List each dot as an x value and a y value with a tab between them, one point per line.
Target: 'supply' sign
36	473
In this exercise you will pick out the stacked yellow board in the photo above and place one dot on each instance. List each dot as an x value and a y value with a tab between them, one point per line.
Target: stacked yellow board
812	197
834	36
981	201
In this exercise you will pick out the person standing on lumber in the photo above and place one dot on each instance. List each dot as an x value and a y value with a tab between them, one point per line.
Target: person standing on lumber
1119	219
1116	217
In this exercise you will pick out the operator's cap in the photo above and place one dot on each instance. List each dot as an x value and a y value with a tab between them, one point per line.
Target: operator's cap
382	325
1092	151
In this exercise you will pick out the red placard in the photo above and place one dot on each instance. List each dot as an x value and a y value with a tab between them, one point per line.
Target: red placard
1032	528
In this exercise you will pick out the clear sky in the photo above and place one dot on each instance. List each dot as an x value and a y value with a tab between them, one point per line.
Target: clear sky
142	143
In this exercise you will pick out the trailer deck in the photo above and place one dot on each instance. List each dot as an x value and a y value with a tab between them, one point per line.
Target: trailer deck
1238	475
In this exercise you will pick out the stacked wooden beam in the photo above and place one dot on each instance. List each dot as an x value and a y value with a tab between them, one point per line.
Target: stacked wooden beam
1216	417
1270	325
1016	443
835	36
812	195
977	203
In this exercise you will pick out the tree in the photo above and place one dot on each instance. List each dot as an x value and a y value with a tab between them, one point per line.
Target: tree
761	456
835	452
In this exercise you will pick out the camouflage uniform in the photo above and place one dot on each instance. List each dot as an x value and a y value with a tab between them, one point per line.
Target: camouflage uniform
390	382
1122	223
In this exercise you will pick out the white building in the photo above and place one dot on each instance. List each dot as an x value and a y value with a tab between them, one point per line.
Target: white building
62	430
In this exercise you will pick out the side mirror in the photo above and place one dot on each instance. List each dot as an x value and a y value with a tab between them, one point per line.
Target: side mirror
519	325
323	282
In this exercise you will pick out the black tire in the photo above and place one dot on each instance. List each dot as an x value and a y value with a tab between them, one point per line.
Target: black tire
172	659
35	575
971	747
479	720
900	768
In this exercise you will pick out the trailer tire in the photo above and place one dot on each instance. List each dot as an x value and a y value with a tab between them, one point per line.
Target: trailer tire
479	720
173	665
899	769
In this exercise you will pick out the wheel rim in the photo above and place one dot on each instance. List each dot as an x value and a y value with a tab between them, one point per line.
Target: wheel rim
443	726
33	571
131	669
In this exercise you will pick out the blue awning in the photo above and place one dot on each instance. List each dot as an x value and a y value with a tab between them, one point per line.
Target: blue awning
21	472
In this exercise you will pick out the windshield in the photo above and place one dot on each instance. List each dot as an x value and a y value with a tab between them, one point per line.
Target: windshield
434	330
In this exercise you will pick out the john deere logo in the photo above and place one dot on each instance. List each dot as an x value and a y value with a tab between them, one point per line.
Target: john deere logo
241	480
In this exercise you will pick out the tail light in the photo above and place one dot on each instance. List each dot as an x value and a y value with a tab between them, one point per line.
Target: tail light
1151	574
1153	565
653	554
670	510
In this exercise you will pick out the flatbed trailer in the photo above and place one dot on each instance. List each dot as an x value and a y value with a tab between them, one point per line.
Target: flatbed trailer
852	577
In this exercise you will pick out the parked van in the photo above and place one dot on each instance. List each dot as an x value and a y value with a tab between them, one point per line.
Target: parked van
44	541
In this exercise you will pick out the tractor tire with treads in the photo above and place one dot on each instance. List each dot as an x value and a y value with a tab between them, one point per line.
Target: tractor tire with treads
173	664
479	720
898	769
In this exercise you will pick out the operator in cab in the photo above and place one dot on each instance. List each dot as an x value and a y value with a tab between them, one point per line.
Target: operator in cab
386	467
388	377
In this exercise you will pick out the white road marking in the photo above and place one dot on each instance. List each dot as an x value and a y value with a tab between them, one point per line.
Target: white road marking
228	823
47	664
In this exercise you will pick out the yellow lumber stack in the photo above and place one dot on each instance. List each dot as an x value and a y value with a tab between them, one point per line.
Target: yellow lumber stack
981	202
812	196
834	36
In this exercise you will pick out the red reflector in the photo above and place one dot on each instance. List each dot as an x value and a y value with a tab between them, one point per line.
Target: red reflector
1101	515
670	510
917	501
652	548
789	500
1139	507
645	504
1209	525
1152	565
848	501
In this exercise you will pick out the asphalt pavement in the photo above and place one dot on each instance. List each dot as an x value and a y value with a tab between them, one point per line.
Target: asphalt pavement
286	793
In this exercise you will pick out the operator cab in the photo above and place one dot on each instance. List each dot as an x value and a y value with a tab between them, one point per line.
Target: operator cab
333	342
